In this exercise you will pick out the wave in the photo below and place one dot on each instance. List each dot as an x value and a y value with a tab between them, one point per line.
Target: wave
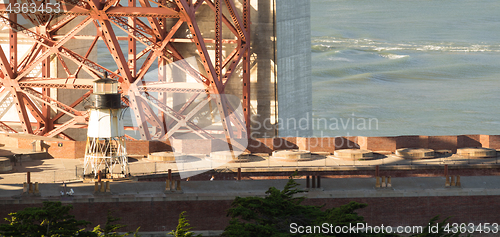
321	48
382	72
324	44
394	56
339	59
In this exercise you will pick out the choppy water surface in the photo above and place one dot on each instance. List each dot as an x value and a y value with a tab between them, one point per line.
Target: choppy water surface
405	67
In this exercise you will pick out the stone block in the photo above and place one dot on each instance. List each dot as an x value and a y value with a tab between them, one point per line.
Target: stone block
377	143
469	141
284	143
490	141
443	143
192	146
260	145
412	142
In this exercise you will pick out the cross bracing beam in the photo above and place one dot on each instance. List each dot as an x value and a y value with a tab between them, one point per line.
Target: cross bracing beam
140	37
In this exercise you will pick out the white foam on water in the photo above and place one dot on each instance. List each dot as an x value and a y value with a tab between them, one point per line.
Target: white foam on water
339	59
394	56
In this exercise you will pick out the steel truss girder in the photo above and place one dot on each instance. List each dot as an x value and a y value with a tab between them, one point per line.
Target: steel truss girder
149	41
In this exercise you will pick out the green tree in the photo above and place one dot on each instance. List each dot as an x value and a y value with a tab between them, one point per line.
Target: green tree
53	219
183	229
110	228
274	214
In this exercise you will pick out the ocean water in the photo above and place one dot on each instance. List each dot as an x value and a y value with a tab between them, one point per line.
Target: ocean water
405	67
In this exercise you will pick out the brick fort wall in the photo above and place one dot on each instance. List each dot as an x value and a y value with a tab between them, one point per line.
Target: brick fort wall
211	214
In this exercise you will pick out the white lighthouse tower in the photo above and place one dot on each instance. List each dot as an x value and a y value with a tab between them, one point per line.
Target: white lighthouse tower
105	147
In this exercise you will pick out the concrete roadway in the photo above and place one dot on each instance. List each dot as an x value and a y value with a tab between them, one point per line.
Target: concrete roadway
228	189
59	170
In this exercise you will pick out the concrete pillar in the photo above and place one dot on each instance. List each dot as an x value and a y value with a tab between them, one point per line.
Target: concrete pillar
319	181
389	184
307	182
447	183
458	181
313	181
102	187
30	188
42	145
178	186
37	191
293	56
108	188
167	185
452	181
377	182
96	187
25	187
383	184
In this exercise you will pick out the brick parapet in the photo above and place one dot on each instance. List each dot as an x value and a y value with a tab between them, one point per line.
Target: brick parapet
163	215
58	148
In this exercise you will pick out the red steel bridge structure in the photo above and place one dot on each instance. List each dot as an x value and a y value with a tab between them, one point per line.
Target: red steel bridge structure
153	32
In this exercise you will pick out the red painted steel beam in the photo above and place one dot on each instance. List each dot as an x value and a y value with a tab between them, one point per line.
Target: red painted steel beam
143	12
44	99
151	116
40	118
5	66
114	48
65	136
246	67
224	18
4	127
218	39
12	85
77	102
159	41
13	42
21	110
132	47
62	127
